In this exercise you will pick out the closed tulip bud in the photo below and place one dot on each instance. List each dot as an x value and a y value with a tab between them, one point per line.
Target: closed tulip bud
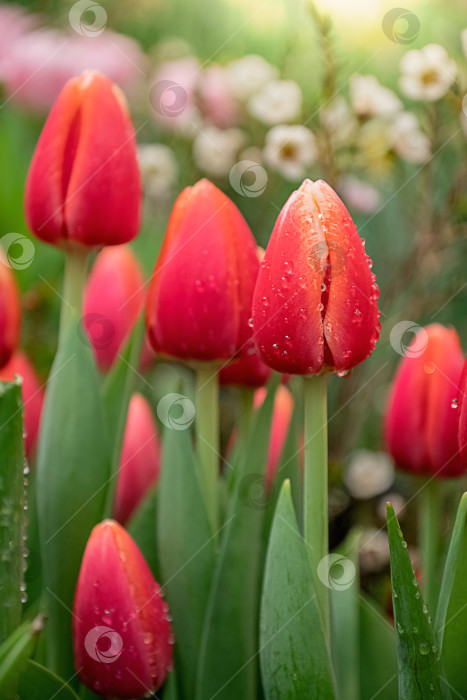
315	304
281	417
33	396
462	411
199	301
113	300
248	370
83	186
10	312
422	418
121	630
139	461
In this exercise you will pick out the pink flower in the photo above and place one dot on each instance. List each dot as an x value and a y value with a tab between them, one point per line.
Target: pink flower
216	101
281	417
172	93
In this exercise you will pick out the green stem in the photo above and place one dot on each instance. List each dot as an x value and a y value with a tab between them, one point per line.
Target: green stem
429	521
73	285
246	411
315	505
207	435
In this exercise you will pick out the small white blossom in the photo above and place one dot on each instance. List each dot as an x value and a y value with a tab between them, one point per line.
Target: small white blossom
279	102
369	98
289	150
249	74
215	150
427	73
369	474
397	501
338	119
158	169
407	140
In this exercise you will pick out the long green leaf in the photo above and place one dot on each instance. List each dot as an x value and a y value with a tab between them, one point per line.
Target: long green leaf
142	528
451	616
228	663
294	660
14	653
420	672
38	683
378	657
186	550
12	501
72	476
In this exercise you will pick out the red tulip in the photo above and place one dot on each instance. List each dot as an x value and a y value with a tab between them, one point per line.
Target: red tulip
140	459
315	303
281	417
247	371
421	425
83	185
10	312
462	410
33	396
113	300
199	301
121	630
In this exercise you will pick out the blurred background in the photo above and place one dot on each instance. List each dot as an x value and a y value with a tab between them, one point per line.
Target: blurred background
256	95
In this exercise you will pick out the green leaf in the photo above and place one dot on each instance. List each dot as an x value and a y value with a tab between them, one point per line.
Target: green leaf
12	501
72	477
14	652
228	662
378	657
37	683
142	528
451	617
420	672
186	550
345	591
294	660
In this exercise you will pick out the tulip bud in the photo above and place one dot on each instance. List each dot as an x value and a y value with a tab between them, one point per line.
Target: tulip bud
83	185
462	409
315	303
281	417
140	459
33	396
121	630
422	418
10	312
199	301
113	299
247	371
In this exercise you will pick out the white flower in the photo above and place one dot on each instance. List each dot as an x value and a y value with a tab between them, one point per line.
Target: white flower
280	101
373	550
215	150
338	119
158	169
249	74
359	195
397	501
369	474
289	150
427	74
369	98
407	140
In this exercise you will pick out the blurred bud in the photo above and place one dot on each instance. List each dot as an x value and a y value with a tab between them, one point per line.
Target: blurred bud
10	311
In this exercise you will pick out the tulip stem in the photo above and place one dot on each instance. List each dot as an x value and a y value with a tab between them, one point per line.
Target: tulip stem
315	493
207	435
246	411
429	520
73	285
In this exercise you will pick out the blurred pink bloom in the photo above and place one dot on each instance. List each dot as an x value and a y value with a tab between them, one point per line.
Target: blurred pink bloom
14	23
35	67
216	100
281	417
359	195
172	93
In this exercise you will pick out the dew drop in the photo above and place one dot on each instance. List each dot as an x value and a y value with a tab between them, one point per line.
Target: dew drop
454	403
424	648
